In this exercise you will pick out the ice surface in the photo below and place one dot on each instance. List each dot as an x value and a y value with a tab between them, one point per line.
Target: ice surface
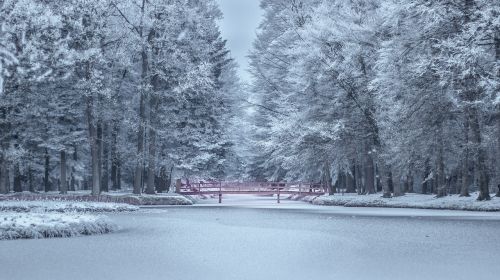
264	240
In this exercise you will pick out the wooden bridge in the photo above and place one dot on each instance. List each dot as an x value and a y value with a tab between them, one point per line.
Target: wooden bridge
256	188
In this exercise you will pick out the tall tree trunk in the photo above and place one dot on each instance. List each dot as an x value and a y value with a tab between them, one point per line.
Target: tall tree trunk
484	192
139	168
46	181
153	106
64	183
105	157
73	169
466	172
411	182
100	144
369	171
327	178
150	188
17	179
31	183
3	176
142	121
390	181
94	148
441	176
351	181
114	156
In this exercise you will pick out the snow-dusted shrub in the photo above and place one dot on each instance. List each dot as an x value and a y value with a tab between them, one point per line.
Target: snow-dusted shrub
50	225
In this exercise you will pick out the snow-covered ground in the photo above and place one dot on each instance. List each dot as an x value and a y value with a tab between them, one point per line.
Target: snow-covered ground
123	196
49	225
248	238
63	206
418	201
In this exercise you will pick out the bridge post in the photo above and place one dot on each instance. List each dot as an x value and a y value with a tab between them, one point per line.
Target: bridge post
279	194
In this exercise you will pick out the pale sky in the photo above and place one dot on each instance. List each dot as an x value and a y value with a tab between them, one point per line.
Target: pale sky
241	19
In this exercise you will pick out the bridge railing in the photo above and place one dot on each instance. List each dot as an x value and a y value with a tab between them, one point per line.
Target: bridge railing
251	187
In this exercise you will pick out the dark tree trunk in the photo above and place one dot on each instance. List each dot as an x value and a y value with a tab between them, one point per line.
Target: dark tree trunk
64	184
105	157
390	181
31	183
441	176
484	192
327	179
17	179
351	181
94	148
73	170
46	180
114	157
369	171
466	172
3	177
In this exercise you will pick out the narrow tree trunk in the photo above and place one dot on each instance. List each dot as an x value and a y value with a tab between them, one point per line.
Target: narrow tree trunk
114	156
94	148
441	176
142	120
73	169
150	188
351	181
484	192
411	182
386	187
397	188
327	178
100	143
105	157
369	171
3	177
18	188
31	183
390	181
64	183
466	172
46	182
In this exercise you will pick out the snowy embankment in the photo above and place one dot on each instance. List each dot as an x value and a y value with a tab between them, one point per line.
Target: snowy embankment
417	201
114	197
63	206
49	225
49	218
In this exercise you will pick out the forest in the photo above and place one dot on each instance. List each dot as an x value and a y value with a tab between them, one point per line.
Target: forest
365	96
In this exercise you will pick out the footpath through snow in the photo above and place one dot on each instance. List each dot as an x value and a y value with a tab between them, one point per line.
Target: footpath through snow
416	201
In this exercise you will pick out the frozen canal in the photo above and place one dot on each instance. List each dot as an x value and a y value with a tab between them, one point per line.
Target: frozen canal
256	239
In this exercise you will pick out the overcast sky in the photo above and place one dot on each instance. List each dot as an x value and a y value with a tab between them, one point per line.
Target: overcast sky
241	19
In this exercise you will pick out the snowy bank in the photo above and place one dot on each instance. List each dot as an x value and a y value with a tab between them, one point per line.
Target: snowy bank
49	225
111	197
417	201
63	206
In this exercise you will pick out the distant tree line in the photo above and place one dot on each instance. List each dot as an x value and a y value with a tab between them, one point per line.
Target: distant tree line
379	96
